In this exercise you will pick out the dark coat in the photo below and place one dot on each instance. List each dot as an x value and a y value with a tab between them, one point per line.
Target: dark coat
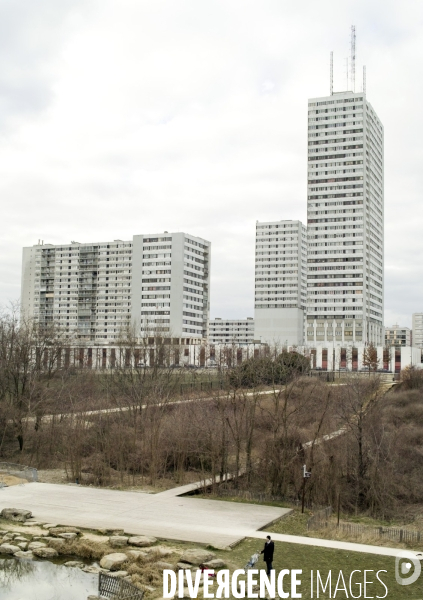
268	551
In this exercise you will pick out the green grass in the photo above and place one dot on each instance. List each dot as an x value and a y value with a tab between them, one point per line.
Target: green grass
294	523
307	558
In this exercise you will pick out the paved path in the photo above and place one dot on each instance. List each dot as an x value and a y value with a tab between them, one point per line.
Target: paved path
333	544
163	515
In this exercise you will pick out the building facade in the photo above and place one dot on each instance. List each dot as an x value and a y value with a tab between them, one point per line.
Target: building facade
98	292
397	336
280	282
345	210
417	328
231	331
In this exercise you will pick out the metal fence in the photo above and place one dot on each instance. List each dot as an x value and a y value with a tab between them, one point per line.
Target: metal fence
28	473
116	588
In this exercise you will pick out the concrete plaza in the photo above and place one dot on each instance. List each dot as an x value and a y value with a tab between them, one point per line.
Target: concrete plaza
165	515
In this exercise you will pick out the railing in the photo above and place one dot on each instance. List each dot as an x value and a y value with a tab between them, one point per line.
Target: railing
28	473
319	519
116	588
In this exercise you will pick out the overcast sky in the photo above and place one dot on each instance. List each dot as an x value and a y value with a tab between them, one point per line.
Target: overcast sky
120	117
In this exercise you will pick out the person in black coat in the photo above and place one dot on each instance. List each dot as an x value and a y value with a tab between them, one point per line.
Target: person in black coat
269	548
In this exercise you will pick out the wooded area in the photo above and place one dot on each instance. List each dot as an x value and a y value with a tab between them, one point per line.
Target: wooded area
370	459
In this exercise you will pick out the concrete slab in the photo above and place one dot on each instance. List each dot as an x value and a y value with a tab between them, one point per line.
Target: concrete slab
163	515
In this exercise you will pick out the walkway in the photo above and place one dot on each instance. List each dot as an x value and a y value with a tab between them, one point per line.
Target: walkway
165	515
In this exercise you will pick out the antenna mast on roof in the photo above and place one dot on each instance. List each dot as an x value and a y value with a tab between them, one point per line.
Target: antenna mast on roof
353	58
331	73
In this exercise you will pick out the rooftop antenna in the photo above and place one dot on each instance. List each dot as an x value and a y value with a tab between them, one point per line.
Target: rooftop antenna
364	80
353	58
331	73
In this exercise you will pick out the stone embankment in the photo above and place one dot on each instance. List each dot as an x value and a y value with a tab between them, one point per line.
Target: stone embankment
139	559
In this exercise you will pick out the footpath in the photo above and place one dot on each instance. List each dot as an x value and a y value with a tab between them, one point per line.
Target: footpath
167	515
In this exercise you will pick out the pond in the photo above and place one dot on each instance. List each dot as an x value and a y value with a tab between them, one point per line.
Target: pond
43	580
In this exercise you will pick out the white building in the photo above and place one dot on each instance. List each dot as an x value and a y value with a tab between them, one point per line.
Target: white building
156	283
345	221
397	336
280	282
231	331
417	328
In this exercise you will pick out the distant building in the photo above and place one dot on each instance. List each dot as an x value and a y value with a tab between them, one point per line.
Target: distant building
345	209
280	282
397	336
97	292
231	331
417	326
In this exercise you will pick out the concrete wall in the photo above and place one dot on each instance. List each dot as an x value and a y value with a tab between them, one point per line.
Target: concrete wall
279	326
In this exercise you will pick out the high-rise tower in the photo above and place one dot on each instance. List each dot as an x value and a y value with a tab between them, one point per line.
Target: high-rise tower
345	221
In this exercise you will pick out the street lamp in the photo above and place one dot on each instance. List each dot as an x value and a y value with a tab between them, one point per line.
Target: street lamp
306	475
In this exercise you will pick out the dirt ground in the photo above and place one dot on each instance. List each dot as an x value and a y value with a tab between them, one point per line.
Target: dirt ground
11	479
137	484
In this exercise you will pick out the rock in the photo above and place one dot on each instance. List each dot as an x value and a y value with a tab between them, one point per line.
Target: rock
141	541
161	551
48	526
113	561
32	524
184	566
28	555
216	563
75	564
118	573
118	541
16	514
9	549
45	552
35	545
58	531
92	569
67	536
93	598
40	536
19	538
161	564
136	553
23	545
197	556
9	536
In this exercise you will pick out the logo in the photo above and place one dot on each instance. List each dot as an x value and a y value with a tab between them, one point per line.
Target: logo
407	567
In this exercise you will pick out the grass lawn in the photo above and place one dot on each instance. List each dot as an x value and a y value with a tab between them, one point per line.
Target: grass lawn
307	558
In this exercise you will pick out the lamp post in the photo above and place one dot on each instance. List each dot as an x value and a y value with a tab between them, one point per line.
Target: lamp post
306	475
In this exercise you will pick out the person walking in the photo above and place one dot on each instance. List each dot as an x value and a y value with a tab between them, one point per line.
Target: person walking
269	548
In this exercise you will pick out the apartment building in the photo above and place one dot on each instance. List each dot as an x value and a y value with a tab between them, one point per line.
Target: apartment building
417	329
96	292
345	209
280	282
397	336
239	332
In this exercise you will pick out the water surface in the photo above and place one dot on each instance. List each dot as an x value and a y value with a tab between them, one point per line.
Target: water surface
43	580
